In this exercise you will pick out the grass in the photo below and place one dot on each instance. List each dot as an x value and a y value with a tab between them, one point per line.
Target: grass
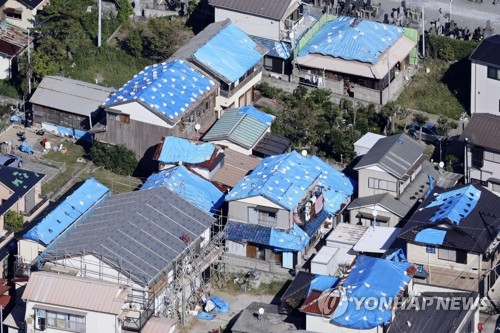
116	183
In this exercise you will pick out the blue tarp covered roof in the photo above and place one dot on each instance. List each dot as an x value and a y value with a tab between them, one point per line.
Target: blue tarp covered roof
364	41
276	49
251	111
322	283
169	88
230	53
431	236
191	187
371	279
294	239
284	179
67	212
176	149
455	205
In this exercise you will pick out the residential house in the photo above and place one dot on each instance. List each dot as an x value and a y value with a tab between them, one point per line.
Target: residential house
280	210
151	240
75	207
21	13
231	58
67	106
366	142
235	166
356	57
482	146
13	42
171	98
454	237
485	77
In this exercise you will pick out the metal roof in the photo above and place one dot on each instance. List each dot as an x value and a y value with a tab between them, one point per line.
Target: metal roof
385	200
13	40
75	292
70	95
274	9
487	52
243	126
482	130
377	239
277	49
236	166
396	155
346	233
137	232
272	144
159	325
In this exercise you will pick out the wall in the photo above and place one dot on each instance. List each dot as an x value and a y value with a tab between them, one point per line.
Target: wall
364	174
317	323
393	219
489	169
29	250
225	102
485	92
252	25
4	67
57	117
236	263
27	17
239	211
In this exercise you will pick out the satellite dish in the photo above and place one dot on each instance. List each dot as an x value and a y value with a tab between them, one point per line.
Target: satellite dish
197	127
441	164
261	311
304	153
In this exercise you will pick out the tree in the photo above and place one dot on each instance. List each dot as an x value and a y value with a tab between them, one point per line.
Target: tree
444	125
134	42
420	119
13	221
118	159
125	10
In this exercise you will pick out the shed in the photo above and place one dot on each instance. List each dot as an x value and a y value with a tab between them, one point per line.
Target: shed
323	262
366	142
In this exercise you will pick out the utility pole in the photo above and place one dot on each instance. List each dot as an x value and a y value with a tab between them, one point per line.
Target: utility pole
450	12
99	25
29	63
423	29
389	75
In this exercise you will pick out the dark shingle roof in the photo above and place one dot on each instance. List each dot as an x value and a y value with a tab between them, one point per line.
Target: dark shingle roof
31	3
274	9
18	180
482	130
487	53
385	200
271	145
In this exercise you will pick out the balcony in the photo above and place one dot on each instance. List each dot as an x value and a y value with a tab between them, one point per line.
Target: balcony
229	93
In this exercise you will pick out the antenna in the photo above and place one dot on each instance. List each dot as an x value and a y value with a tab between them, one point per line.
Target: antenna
304	153
197	127
260	313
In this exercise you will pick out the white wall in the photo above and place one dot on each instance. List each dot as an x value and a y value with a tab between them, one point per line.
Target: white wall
236	248
317	323
28	249
224	102
485	92
252	25
364	174
140	113
4	67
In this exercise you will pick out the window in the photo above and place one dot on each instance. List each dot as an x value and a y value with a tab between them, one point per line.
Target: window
490	156
125	118
477	157
13	13
66	321
267	217
445	254
382	184
495	187
430	249
493	73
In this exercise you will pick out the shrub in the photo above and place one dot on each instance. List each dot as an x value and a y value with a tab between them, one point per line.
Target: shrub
118	159
267	91
448	49
13	221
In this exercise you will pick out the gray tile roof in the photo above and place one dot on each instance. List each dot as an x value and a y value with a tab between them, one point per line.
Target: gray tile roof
385	200
397	155
138	232
274	9
487	52
482	130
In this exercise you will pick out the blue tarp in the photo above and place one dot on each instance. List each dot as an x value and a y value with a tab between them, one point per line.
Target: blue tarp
251	111
294	239
322	283
176	149
205	316
25	147
67	212
169	88
276	49
371	280
230	53
455	205
70	132
221	306
431	236
284	179
431	186
16	118
363	42
191	187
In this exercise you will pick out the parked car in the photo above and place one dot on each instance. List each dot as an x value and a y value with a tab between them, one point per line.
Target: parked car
429	133
11	160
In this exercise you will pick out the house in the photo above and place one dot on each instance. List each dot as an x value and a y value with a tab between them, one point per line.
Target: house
482	145
240	129
151	240
280	209
366	142
21	13
60	104
77	304
13	42
357	58
231	58
453	237
68	212
171	98
485	77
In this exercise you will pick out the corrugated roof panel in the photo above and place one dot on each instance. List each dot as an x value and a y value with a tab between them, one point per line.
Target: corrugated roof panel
275	9
482	130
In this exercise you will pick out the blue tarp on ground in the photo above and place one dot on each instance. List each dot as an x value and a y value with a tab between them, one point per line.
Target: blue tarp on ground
455	205
322	283
364	41
284	179
200	192
431	236
67	212
16	118
169	88
370	280
221	306
176	149
230	53
294	239
276	49
25	147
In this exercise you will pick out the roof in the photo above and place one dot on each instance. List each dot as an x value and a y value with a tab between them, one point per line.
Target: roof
159	325
243	126
272	144
487	52
31	3
168	89
353	39
368	140
275	9
396	155
430	316
482	131
377	239
385	200
193	188
13	40
236	166
15	319
70	95
75	292
130	231
67	212
346	233
285	179
20	181
176	150
464	218
277	49
297	291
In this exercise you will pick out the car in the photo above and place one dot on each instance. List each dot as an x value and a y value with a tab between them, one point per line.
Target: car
11	160
429	133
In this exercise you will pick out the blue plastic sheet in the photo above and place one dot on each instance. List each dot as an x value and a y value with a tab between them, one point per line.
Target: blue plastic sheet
25	147
294	239
276	49
431	236
16	118
169	88
191	187
205	316
230	53
178	149
221	306
431	186
284	179
256	114
322	283
67	212
363	42
455	205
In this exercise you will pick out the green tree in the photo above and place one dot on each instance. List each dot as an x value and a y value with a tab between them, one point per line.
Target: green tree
444	125
420	119
118	159
134	42
125	10
13	221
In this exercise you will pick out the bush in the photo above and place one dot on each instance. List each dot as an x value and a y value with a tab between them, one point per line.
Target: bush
13	221
267	91
448	49
118	159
